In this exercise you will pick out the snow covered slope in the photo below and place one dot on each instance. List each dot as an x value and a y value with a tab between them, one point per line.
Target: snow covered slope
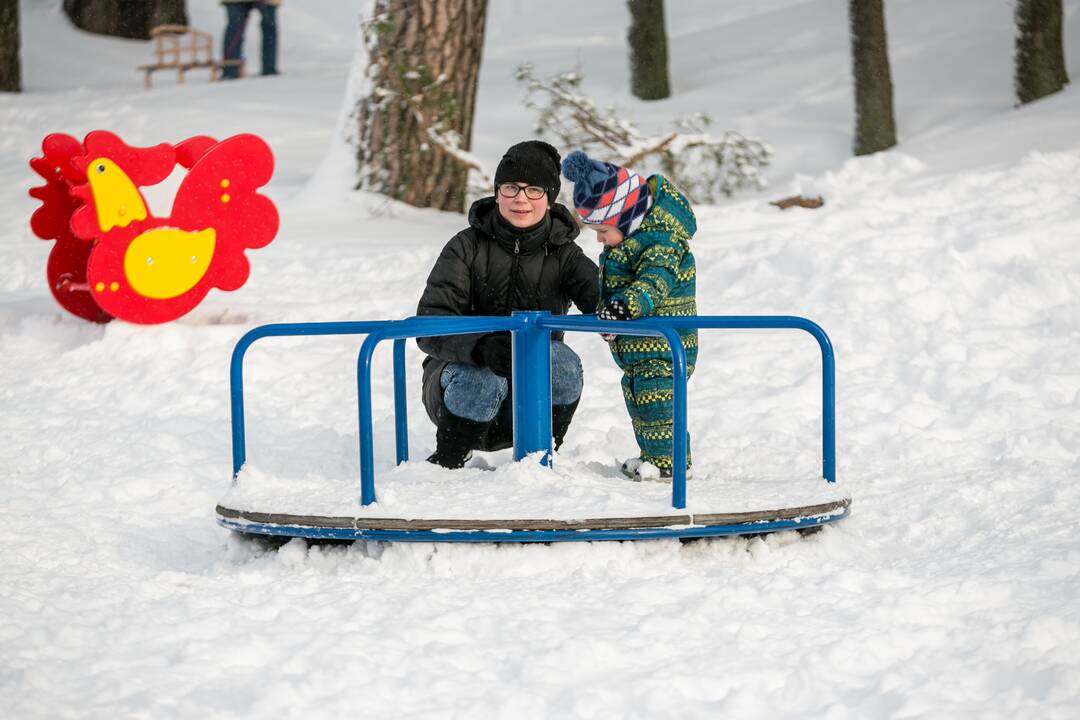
947	272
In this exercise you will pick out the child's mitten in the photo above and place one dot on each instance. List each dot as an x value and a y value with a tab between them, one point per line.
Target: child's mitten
614	310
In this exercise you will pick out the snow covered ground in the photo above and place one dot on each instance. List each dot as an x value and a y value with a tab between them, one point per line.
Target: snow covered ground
946	271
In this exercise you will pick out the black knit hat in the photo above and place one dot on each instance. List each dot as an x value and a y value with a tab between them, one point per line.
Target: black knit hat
533	162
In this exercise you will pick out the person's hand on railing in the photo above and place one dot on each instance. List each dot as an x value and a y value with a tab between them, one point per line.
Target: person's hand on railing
614	310
493	352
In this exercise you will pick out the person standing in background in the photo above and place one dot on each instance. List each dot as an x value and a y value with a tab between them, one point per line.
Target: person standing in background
236	13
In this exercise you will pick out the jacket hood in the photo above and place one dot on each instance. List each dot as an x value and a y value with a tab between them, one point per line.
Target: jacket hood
668	198
484	214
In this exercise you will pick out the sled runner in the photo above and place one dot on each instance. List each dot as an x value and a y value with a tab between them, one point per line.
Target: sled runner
258	506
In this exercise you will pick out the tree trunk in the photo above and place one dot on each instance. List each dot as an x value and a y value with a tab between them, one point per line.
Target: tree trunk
168	12
875	128
648	50
424	62
124	18
1040	52
10	70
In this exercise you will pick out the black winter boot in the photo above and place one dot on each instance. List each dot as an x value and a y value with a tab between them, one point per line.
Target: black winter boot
561	415
455	439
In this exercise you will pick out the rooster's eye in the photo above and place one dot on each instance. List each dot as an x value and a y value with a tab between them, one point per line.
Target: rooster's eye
101	168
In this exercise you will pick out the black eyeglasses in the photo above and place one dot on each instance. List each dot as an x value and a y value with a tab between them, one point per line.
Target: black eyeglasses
510	190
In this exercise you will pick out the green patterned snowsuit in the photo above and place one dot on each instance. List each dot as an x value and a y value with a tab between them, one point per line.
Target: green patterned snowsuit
652	271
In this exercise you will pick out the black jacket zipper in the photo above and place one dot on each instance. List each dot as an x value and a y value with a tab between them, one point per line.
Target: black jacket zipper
513	277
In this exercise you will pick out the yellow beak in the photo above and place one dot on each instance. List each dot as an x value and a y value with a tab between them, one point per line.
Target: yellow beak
116	198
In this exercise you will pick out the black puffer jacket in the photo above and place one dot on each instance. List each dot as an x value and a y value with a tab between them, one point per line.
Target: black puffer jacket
492	268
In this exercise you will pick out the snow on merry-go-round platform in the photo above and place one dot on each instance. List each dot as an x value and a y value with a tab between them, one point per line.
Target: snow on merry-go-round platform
524	502
535	500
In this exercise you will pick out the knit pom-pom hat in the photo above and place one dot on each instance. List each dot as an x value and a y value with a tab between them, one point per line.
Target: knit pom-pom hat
606	194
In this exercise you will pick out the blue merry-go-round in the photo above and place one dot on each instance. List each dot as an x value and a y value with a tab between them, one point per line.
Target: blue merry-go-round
715	513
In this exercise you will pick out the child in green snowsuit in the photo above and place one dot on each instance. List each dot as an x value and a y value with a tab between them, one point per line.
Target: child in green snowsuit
646	270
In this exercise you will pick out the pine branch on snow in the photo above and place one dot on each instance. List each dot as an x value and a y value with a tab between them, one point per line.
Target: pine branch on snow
704	166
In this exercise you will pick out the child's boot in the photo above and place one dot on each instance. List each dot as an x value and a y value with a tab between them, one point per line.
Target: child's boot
638	470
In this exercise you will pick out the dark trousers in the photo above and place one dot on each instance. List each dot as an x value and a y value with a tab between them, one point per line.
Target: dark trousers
648	389
233	46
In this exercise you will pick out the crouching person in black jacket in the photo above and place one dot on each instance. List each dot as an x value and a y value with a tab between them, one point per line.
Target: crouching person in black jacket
518	253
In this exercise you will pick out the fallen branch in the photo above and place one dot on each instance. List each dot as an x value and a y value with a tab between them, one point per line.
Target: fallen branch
705	167
800	201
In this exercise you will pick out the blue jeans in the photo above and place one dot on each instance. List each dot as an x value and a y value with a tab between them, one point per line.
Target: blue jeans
477	394
236	14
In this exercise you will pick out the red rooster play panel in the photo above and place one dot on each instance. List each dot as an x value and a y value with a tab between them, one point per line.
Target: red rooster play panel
113	258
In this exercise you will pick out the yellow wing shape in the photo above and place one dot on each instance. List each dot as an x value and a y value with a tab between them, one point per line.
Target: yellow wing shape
166	262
